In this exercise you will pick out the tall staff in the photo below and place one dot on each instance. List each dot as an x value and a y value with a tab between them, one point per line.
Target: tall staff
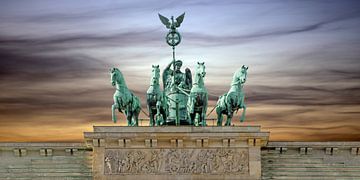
173	38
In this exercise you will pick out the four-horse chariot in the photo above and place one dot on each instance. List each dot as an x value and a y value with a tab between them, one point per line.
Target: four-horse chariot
182	100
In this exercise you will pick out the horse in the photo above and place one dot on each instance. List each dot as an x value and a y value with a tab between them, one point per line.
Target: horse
155	99
198	97
233	100
124	99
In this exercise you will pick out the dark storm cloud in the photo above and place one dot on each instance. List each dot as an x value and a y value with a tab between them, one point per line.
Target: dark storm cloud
304	96
55	98
131	37
31	79
211	40
134	37
28	57
117	9
303	90
325	74
346	75
28	67
89	12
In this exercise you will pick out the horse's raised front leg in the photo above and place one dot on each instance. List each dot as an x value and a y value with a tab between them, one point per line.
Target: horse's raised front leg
219	116
242	119
113	108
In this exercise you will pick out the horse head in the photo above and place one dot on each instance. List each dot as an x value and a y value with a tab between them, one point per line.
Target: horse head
200	69
115	76
155	74
243	74
240	76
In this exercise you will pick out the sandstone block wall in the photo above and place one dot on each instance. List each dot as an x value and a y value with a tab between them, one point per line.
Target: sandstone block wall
35	161
311	160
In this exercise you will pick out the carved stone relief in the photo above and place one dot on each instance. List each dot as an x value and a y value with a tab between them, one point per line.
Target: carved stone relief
176	161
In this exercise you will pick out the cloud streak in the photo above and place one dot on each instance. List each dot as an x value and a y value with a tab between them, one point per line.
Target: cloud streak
303	81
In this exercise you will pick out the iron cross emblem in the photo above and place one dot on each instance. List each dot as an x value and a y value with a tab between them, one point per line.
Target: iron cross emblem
173	38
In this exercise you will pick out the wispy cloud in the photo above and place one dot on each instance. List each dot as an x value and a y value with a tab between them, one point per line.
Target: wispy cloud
303	81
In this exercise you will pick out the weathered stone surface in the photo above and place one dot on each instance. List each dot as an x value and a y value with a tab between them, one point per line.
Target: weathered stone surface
176	161
311	160
176	129
45	161
183	152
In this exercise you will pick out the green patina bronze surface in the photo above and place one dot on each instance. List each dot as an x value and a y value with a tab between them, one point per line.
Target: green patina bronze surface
198	98
173	38
124	100
233	100
181	102
156	103
177	85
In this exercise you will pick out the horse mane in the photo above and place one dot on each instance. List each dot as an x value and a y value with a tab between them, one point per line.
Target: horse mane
237	73
122	79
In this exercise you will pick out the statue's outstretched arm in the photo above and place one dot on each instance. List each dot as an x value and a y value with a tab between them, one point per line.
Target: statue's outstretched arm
168	66
167	71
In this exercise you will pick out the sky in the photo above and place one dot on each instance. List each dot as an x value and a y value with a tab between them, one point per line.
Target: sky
303	56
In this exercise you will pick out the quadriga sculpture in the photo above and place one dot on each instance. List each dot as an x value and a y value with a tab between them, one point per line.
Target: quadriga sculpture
155	99
198	97
124	100
233	100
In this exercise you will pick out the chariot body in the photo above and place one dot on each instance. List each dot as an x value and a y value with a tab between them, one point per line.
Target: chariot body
177	86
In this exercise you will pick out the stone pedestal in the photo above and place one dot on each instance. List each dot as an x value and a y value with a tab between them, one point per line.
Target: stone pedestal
183	152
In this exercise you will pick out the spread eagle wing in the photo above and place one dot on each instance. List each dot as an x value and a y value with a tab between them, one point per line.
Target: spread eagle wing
188	78
179	20
165	21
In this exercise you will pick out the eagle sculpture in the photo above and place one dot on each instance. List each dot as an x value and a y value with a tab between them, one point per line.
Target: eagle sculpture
172	25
